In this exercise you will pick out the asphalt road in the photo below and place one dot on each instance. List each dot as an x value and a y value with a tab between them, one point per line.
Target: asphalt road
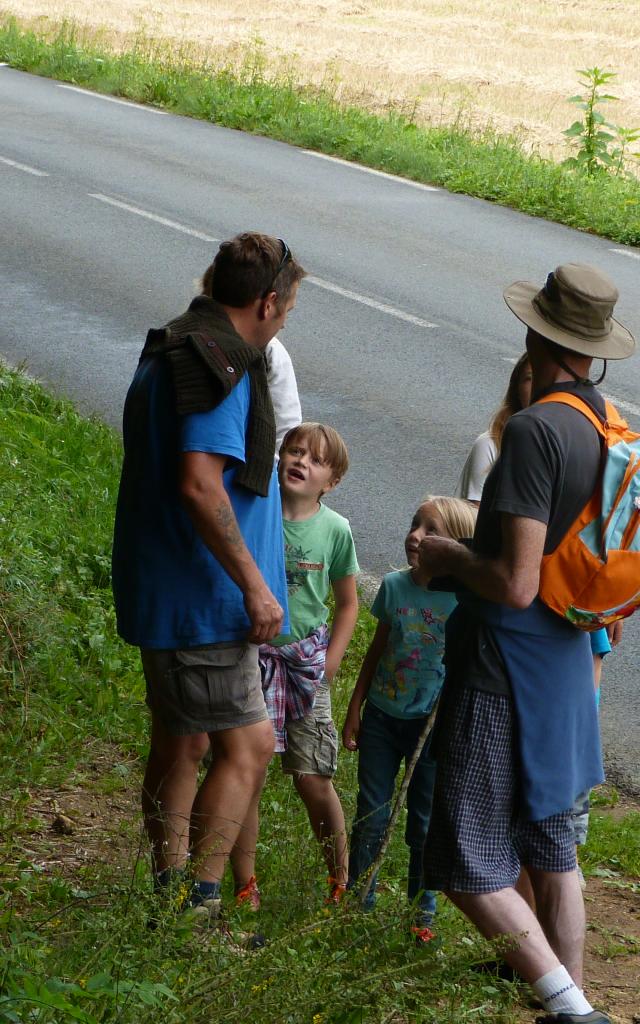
400	339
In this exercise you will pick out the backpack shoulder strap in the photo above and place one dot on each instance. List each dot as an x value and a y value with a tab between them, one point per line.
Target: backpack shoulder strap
565	398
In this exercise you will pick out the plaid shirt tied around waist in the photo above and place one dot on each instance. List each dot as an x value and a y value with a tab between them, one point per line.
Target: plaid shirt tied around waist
290	677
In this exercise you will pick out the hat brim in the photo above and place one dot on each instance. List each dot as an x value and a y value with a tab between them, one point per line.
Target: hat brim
619	344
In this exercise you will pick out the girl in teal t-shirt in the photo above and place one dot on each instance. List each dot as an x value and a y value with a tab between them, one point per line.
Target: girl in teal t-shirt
400	680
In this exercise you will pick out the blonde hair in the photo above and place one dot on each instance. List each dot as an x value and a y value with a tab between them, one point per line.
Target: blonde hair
458	515
510	403
335	452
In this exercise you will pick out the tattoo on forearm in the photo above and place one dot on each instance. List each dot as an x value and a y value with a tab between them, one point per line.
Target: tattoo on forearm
228	526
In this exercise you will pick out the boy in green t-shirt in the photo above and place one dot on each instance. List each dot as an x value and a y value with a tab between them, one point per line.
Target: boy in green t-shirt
298	668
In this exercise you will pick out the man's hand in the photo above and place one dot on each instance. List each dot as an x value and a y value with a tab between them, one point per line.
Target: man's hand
614	632
208	505
265	614
435	554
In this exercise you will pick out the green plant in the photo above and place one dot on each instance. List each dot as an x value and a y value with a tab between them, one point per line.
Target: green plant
601	145
269	101
623	139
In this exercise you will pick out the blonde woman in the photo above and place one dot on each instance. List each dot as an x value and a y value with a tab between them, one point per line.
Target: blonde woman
486	446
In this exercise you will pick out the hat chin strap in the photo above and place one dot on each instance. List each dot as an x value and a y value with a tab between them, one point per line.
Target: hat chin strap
552	349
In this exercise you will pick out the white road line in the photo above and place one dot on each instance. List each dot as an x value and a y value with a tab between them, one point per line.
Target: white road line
328	286
372	170
24	167
153	216
625	252
382	307
111	99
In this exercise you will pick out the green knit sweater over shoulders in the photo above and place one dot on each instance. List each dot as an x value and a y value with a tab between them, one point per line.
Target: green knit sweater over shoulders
207	358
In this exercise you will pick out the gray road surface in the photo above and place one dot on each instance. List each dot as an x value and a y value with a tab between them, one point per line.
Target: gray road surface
110	211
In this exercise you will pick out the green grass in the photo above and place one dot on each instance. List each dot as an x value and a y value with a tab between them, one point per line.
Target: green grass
75	942
75	946
487	165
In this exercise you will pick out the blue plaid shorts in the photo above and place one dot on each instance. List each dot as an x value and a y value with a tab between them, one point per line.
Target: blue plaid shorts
478	839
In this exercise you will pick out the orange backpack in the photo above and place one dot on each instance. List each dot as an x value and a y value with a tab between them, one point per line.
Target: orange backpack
593	576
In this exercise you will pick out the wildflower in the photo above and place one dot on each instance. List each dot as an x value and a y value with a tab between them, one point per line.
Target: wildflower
318	1018
181	895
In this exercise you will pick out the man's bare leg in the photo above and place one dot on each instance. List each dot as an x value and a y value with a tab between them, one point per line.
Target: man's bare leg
234	779
327	821
524	888
560	908
526	949
168	792
505	913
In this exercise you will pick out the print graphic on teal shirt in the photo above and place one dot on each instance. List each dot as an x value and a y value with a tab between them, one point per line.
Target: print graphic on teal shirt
410	673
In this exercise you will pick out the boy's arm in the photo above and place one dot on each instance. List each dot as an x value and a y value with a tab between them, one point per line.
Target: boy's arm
344	619
351	727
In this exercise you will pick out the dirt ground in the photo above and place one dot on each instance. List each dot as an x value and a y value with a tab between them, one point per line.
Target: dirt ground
507	63
79	826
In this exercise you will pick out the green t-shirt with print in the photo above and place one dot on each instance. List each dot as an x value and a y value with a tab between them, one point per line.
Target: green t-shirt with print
317	551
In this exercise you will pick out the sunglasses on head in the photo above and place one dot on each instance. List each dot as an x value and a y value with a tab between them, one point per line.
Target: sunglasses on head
286	257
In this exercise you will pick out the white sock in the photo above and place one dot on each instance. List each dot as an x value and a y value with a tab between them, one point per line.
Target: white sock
558	993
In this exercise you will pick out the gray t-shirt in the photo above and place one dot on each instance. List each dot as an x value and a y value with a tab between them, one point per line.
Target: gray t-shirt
547	470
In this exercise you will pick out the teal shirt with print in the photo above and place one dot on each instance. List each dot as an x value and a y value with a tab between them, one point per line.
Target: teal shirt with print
317	552
410	673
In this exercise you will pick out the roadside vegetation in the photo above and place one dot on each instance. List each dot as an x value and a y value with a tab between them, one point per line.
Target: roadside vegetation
74	876
480	163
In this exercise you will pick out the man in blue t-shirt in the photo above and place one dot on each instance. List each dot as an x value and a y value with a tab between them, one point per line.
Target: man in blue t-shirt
198	561
517	734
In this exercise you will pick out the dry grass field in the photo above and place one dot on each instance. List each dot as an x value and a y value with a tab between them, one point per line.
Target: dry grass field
506	63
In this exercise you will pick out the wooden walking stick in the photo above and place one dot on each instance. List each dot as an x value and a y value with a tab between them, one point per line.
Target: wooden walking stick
398	805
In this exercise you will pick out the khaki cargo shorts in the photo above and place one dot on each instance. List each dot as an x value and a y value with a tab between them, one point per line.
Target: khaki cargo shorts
312	741
205	689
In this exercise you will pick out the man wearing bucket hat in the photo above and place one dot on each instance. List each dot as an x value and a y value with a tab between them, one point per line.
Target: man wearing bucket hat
517	732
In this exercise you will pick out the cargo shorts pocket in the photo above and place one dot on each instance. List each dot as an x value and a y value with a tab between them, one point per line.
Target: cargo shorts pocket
213	683
325	750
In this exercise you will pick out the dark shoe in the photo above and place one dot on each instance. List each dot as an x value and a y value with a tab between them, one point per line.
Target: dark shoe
595	1017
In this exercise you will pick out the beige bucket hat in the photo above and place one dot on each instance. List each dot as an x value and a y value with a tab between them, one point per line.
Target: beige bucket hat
574	309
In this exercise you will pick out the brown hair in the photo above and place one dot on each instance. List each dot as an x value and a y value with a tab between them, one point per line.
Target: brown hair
510	402
459	516
335	452
250	266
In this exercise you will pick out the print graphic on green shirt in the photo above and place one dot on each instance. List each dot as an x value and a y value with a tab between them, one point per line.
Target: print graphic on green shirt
318	551
296	561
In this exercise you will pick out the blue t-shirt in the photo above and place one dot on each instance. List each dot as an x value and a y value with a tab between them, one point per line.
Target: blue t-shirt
170	592
410	673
